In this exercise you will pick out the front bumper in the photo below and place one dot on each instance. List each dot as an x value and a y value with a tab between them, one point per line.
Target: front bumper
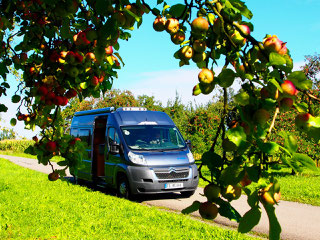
148	180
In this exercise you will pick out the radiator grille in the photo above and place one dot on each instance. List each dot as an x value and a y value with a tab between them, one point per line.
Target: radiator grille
171	173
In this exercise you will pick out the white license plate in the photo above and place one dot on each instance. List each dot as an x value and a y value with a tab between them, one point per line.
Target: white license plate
173	185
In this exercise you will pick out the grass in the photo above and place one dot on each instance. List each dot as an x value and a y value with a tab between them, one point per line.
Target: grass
26	155
31	207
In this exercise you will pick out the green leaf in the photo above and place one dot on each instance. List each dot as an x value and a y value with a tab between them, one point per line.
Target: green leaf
212	160
177	10
305	161
301	107
62	163
15	98
13	122
3	108
299	79
290	142
242	8
268	147
276	59
242	98
231	175
274	225
3	69
253	199
194	207
84	85
226	210
236	135
226	78
249	220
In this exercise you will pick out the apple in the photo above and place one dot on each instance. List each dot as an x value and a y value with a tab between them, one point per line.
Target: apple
186	53
208	210
172	25
271	194
71	93
16	59
264	93
196	90
50	95
51	146
78	57
245	181
199	57
199	26
73	72
70	57
23	57
274	44
73	141
64	101
237	38
94	80
53	176
58	100
178	37
212	192
199	46
261	116
206	88
109	50
90	56
286	104
304	121
91	34
159	24
35	138
288	88
231	192
206	76
120	18
42	90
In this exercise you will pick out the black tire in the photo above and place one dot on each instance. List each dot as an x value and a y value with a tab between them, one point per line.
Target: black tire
123	188
187	194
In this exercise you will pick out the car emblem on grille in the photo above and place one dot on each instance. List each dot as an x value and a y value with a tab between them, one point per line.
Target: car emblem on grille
172	170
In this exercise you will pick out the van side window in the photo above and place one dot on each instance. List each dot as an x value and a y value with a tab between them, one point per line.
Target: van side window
74	132
85	136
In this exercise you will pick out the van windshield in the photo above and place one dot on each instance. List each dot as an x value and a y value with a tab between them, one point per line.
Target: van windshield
153	137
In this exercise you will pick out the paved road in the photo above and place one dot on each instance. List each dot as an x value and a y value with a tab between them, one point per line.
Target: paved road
298	221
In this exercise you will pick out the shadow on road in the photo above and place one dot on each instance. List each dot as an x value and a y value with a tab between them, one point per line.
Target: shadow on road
112	192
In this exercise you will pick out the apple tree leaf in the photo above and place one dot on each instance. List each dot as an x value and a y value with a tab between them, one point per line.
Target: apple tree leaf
236	135
226	210
276	59
299	79
232	174
249	220
290	142
274	225
192	208
305	161
178	10
268	147
212	160
242	98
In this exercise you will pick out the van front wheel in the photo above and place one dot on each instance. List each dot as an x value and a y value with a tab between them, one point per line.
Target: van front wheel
123	189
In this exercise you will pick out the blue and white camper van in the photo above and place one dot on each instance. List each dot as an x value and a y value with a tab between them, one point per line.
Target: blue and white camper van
135	151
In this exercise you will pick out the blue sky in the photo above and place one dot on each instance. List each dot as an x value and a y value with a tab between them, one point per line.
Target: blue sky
151	69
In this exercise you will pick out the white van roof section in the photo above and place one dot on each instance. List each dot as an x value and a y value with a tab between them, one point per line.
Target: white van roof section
142	118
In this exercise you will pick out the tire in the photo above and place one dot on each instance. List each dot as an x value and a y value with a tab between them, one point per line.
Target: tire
187	194
123	188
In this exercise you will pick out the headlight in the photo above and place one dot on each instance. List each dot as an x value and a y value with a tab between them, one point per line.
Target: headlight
137	159
190	157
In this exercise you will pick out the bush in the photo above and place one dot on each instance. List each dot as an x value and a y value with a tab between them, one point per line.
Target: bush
15	145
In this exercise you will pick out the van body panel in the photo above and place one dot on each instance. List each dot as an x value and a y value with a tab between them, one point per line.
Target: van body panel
167	167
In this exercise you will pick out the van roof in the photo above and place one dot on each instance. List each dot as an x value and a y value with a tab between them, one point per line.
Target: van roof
142	118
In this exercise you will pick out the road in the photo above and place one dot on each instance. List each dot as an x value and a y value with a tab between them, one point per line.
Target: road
298	221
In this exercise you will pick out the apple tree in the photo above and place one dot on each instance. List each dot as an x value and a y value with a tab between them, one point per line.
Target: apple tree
70	48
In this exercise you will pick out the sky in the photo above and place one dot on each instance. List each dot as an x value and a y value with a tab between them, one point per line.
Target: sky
151	69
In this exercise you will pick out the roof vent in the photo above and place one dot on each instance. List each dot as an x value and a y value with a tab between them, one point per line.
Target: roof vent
132	109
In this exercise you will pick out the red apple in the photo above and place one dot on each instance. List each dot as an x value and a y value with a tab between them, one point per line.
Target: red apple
159	24
199	46
199	26
303	121
288	88
172	25
208	210
178	37
109	50
51	146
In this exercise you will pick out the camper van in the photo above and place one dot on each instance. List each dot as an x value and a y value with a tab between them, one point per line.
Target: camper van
135	151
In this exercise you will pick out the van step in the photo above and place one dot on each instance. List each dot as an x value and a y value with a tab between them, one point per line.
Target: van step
100	181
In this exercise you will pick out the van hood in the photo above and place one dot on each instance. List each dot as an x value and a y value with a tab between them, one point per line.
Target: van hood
167	158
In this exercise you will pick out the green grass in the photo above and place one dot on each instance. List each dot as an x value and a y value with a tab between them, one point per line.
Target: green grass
26	155
31	207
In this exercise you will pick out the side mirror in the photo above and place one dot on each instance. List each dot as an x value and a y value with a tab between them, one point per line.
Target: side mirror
188	142
114	148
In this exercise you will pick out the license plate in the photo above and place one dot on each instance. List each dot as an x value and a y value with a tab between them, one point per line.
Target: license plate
173	185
